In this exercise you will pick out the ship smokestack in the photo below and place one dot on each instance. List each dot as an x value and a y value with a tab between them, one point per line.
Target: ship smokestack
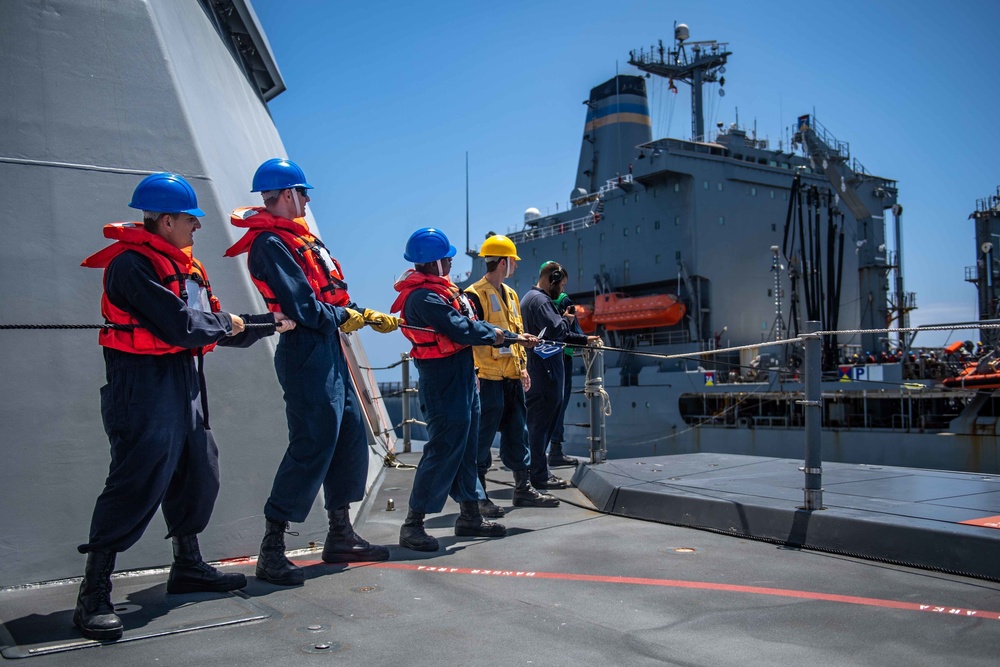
617	122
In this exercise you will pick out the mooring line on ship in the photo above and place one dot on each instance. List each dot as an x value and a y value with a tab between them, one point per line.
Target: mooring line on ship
122	327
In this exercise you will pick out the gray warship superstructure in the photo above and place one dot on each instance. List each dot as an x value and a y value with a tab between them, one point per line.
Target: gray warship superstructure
103	94
753	241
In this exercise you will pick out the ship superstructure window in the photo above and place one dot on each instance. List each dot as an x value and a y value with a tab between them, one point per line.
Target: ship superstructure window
564	246
677	187
638	228
677	221
753	191
706	185
772	194
719	185
624	231
636	197
677	255
656	224
602	237
722	220
774	227
656	259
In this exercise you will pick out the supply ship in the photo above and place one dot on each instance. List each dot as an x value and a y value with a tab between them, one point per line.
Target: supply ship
721	240
100	94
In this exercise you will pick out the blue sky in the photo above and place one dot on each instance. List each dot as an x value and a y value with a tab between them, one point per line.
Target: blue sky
385	98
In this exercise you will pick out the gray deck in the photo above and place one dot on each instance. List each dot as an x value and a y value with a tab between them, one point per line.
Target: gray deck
948	521
568	585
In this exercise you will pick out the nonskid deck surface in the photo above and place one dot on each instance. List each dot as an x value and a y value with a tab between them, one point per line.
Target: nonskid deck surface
925	518
567	585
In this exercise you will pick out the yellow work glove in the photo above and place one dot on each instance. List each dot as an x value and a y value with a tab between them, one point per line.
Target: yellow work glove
354	322
381	322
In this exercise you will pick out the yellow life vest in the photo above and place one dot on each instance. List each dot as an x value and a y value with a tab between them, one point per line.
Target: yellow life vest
503	309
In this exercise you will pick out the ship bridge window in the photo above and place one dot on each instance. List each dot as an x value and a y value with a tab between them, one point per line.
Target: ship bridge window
784	165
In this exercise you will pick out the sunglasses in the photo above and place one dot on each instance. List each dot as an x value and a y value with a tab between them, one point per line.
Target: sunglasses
302	191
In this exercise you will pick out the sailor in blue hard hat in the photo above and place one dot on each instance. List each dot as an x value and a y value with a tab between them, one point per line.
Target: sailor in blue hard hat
154	406
442	326
328	445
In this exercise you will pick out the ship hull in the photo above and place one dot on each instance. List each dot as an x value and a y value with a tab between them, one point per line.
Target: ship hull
646	421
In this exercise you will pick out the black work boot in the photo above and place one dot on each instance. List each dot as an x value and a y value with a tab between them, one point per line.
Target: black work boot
191	574
487	507
272	563
94	614
556	457
525	495
413	536
343	545
470	522
552	482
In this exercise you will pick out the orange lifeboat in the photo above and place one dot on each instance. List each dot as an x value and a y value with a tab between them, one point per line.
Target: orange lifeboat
976	376
618	312
585	318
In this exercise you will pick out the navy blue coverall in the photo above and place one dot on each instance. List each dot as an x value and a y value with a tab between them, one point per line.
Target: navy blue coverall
545	397
161	450
450	403
327	443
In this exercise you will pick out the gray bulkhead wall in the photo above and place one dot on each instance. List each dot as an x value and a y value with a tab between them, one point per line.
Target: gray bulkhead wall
99	95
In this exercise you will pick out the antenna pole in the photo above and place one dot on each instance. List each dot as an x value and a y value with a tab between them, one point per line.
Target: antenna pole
468	248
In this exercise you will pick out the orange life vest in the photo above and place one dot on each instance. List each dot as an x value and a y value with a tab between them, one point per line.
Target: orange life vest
174	267
427	345
321	270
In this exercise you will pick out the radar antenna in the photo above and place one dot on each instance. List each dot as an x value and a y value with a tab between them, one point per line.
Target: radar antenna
705	64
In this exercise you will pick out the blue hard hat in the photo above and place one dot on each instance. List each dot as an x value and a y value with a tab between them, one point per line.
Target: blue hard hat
165	193
427	245
279	174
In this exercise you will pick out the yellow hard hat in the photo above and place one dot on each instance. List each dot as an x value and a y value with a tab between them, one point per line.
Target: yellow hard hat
499	245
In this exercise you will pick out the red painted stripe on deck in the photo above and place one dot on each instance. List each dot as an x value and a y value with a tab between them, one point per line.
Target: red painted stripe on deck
676	583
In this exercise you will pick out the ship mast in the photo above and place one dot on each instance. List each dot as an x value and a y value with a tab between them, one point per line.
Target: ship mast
705	63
